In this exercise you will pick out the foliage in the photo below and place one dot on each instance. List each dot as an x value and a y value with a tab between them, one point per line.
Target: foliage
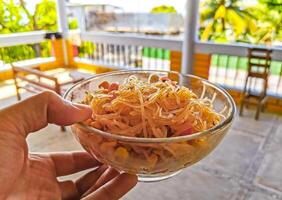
11	18
45	16
273	4
73	23
224	20
163	9
17	18
237	21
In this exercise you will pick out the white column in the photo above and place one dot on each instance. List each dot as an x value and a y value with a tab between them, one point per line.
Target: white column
63	25
62	17
190	34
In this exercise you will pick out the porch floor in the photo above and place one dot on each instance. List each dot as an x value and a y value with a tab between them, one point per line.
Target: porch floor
245	166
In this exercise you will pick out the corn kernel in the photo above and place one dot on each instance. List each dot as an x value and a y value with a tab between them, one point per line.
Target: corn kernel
121	153
201	142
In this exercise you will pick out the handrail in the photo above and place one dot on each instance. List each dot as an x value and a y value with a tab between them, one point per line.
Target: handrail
166	42
14	39
240	50
175	43
134	39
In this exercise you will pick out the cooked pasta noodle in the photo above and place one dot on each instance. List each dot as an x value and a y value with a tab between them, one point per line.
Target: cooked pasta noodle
155	108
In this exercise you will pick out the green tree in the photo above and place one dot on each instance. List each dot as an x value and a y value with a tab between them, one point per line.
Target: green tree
273	4
237	21
17	18
269	23
11	17
274	17
163	9
224	20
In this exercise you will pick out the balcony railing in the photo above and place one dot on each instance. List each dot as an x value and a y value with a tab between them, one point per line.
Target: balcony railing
228	64
24	49
229	67
231	71
127	51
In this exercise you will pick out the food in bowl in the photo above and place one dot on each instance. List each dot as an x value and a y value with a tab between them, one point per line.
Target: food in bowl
145	123
153	108
157	108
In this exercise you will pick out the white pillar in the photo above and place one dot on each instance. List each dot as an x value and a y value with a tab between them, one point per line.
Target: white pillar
63	25
190	34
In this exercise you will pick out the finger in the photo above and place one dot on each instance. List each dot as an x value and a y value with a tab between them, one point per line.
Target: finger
72	162
68	190
36	112
108	175
85	182
114	189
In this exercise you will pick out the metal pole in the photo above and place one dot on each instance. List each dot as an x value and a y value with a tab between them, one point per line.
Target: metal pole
63	26
190	34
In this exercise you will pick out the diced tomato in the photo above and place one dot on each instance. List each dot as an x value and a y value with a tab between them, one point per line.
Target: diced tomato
187	131
113	86
184	129
114	95
104	84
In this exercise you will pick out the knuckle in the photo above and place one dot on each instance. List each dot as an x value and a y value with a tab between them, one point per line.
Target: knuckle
47	93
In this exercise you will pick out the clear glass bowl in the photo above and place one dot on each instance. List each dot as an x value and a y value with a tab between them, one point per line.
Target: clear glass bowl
165	157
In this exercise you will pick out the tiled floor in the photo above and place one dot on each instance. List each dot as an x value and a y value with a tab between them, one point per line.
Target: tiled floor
247	164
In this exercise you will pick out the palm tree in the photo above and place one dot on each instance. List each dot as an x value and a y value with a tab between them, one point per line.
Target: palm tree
272	19
224	20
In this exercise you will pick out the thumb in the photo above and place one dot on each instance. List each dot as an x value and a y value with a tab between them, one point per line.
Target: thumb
36	112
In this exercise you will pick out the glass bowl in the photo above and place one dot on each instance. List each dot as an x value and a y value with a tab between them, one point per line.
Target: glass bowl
153	159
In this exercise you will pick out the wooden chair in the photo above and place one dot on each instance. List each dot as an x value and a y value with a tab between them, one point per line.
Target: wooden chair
259	61
35	81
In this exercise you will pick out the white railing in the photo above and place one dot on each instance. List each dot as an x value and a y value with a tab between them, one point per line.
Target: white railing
15	39
175	43
27	58
126	51
134	39
170	43
240	50
224	75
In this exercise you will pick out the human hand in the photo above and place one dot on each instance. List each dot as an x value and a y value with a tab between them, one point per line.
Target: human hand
34	176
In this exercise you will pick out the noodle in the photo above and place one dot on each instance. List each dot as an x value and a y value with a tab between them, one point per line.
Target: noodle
154	108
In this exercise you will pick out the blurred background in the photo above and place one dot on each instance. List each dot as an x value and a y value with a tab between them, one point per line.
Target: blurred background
237	44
